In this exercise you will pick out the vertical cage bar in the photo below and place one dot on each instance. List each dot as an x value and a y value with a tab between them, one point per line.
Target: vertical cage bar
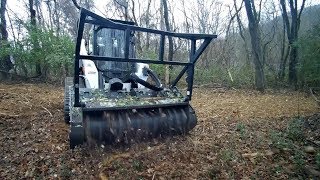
161	51
77	59
127	43
190	71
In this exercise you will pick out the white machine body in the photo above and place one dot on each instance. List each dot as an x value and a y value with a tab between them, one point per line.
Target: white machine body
91	75
140	73
90	71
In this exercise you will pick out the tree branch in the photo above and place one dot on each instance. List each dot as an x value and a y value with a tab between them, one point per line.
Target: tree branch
76	4
285	16
301	9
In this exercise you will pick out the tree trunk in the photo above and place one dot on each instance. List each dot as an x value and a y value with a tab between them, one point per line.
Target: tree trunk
256	45
50	15
242	34
148	25
170	53
35	41
40	18
57	18
283	63
138	34
284	54
293	61
292	34
5	62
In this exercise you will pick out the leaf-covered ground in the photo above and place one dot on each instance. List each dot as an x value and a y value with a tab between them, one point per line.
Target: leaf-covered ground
241	134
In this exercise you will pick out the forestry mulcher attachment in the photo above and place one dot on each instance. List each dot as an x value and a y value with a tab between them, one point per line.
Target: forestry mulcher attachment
115	97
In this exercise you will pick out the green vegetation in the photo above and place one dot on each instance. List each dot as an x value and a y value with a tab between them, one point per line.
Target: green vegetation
309	67
294	143
228	155
293	133
241	128
318	160
279	140
216	74
52	53
137	165
295	130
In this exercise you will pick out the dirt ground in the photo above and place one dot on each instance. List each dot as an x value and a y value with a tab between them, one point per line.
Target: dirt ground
241	134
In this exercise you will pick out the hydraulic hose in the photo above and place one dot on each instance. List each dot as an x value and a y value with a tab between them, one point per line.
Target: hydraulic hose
155	78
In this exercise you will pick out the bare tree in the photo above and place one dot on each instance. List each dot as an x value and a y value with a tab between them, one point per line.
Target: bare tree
188	21
147	21
123	5
138	34
56	16
50	14
268	31
241	30
254	18
38	9
167	25
32	13
292	34
69	16
34	40
285	49
76	4
5	63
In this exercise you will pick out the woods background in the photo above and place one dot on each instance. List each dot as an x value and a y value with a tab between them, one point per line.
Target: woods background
261	44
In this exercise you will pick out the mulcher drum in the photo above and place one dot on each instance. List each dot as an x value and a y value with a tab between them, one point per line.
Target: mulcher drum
108	118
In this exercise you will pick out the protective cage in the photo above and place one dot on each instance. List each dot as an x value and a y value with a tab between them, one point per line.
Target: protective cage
110	124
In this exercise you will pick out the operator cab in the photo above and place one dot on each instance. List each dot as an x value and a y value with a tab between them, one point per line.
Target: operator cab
115	75
111	43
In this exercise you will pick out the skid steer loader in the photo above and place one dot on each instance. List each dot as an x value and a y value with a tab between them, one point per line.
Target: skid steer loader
115	97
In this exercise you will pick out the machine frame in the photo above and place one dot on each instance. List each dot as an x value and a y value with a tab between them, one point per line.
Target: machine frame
87	17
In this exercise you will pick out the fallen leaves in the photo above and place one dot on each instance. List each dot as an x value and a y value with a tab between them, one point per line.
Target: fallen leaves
102	176
252	156
310	149
231	139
